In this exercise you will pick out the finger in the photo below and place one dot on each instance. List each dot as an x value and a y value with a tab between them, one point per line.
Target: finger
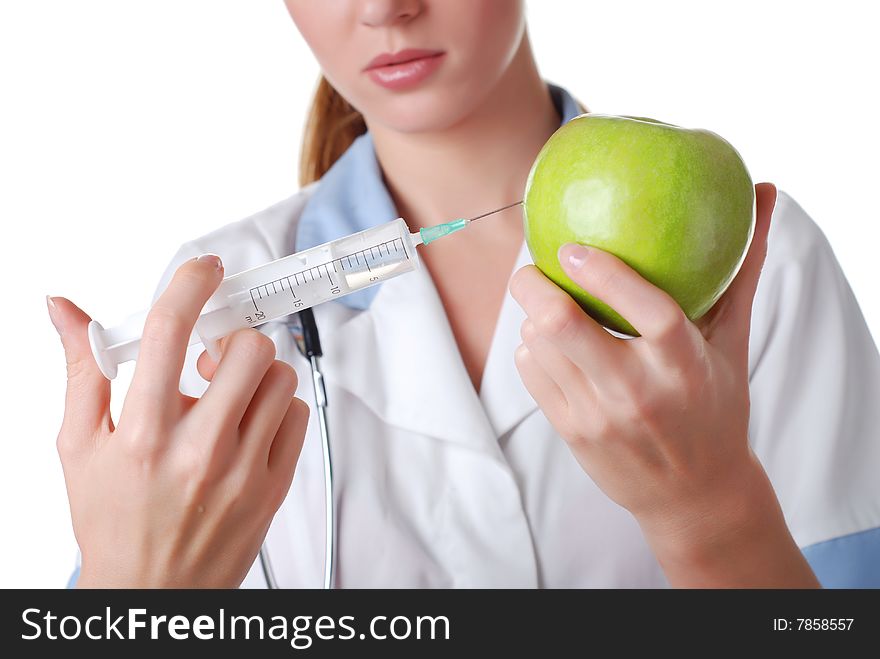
168	328
565	373
541	387
558	318
650	310
728	323
268	407
87	399
206	366
246	357
287	444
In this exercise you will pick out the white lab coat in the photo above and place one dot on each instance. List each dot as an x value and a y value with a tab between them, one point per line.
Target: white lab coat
440	487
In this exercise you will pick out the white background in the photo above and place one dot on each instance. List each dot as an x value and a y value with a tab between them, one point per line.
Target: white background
127	128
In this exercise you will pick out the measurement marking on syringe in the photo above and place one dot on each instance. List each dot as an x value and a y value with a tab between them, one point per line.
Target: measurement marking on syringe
397	243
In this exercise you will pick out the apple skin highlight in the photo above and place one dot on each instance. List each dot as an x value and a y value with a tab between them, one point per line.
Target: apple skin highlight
676	204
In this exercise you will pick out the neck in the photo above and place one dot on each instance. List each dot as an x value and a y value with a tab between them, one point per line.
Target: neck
478	164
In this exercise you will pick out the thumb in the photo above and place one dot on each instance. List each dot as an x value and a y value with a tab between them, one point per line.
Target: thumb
206	365
729	322
87	401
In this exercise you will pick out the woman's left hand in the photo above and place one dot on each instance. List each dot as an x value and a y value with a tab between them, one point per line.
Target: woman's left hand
660	422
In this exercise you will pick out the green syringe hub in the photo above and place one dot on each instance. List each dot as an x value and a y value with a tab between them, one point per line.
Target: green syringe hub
430	234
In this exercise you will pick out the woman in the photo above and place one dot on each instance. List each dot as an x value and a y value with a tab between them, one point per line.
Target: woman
486	432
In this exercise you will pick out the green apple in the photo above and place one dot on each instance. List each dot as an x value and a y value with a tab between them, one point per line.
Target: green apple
677	205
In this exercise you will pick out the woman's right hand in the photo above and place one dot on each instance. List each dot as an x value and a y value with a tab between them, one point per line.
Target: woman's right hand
181	491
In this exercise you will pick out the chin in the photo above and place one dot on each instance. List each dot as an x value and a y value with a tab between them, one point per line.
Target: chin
426	111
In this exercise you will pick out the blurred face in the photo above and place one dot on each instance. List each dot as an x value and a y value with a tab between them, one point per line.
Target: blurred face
412	65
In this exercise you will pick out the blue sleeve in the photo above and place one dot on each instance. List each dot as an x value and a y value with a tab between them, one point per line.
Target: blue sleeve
71	583
850	561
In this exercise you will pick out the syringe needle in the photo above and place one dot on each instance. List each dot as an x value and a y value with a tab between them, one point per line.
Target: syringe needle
428	235
497	210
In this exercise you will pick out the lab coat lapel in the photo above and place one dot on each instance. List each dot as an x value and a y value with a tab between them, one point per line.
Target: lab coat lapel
412	374
400	358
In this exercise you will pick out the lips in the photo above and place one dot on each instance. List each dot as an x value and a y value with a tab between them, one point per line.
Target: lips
404	69
401	57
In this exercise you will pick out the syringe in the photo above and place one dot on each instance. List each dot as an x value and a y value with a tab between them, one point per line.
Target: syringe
285	286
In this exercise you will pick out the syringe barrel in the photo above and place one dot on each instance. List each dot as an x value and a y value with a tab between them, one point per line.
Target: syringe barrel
310	277
276	289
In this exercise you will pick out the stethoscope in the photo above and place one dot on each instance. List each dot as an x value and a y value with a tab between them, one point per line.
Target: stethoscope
305	333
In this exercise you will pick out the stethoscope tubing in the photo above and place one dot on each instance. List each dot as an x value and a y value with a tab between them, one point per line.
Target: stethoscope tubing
311	349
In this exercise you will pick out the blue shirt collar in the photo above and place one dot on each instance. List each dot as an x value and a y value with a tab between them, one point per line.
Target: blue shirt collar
352	197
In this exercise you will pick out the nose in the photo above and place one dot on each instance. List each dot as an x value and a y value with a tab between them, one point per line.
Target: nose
378	13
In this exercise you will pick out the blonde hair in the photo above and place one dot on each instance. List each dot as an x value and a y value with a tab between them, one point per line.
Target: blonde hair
331	127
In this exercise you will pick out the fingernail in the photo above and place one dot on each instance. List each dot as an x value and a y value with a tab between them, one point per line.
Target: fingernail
53	314
573	256
213	259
